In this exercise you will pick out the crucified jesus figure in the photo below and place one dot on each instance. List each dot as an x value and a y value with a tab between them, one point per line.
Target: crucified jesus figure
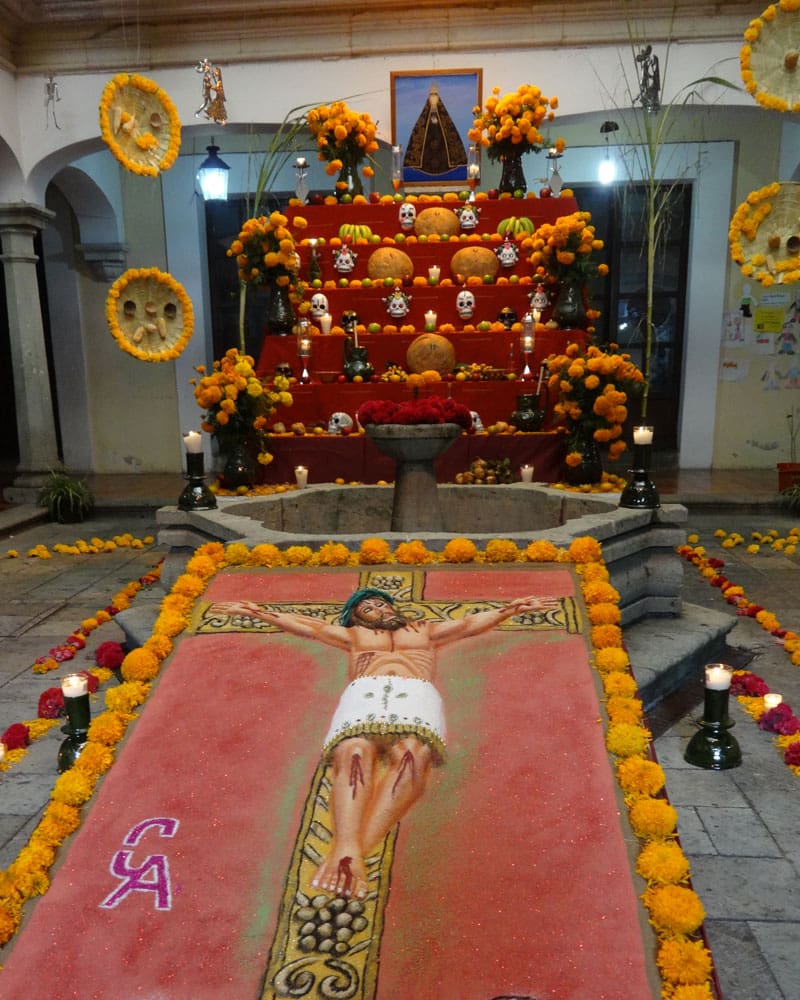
388	729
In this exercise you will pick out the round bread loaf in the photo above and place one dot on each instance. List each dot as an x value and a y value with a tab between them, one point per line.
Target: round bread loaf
430	352
389	262
474	262
437	221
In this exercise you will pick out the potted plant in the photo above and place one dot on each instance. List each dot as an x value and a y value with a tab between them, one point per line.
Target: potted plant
789	472
67	499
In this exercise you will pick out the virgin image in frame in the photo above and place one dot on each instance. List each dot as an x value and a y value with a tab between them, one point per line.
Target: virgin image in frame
432	112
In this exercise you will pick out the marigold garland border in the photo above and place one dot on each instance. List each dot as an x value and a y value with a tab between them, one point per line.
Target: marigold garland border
769	57
674	910
138	315
142	150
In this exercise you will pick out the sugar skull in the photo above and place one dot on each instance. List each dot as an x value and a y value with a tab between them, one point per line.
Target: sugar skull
477	423
407	215
344	260
319	304
507	253
468	216
397	303
539	299
465	303
338	422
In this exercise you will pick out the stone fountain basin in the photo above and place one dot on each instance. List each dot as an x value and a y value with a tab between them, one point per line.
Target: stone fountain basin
638	545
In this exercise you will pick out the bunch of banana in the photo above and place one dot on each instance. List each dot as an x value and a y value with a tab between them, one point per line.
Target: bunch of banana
394	373
354	232
516	225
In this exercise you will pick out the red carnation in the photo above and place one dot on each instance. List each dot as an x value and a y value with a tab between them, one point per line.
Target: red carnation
92	682
780	720
109	655
749	685
16	737
792	755
51	704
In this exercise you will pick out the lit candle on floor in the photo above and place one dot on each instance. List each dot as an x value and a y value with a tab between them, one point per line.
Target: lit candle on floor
526	473
74	685
301	475
718	677
430	321
772	700
193	442
325	321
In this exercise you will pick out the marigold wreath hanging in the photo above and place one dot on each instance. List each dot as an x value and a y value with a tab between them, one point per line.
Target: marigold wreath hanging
149	314
764	234
140	124
769	58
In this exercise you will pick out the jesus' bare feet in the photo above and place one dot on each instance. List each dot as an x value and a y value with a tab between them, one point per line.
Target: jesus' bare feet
342	875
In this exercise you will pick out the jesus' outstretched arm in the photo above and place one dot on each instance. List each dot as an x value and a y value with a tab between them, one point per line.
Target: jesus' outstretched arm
442	633
301	625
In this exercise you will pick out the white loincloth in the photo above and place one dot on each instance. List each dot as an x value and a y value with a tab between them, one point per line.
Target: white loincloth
391	706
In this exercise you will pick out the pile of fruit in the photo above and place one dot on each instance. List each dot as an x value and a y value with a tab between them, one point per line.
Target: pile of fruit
483	472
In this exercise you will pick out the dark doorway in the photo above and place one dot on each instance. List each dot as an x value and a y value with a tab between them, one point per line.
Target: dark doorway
618	214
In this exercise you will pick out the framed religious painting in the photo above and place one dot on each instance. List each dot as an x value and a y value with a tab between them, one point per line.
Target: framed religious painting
432	112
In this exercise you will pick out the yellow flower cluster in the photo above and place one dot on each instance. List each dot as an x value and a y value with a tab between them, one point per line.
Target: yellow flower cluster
779	17
562	250
140	124
591	388
675	911
343	136
512	123
265	250
237	403
149	338
764	261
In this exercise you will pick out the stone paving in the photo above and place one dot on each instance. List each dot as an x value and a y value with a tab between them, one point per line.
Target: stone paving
737	827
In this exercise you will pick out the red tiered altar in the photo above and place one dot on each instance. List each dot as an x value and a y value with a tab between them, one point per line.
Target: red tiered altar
481	339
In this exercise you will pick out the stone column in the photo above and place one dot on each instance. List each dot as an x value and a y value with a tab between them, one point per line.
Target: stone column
19	224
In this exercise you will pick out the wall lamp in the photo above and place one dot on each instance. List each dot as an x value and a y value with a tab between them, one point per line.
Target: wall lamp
212	176
607	171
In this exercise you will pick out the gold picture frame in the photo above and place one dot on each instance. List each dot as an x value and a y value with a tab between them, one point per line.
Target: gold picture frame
432	111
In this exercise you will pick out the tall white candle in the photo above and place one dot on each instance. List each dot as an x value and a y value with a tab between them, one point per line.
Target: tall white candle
526	473
434	273
718	676
301	476
430	320
325	321
74	685
193	442
642	435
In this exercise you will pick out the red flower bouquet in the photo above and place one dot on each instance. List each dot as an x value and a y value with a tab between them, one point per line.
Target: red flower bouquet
431	410
109	655
16	737
51	704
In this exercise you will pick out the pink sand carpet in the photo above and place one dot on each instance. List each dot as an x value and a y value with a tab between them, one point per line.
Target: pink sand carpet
511	877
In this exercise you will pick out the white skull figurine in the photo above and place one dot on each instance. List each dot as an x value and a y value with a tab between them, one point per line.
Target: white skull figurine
539	299
465	303
468	217
407	215
339	420
477	423
397	303
319	305
507	253
344	260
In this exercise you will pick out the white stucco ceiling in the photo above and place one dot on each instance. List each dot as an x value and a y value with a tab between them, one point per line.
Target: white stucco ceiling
63	36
